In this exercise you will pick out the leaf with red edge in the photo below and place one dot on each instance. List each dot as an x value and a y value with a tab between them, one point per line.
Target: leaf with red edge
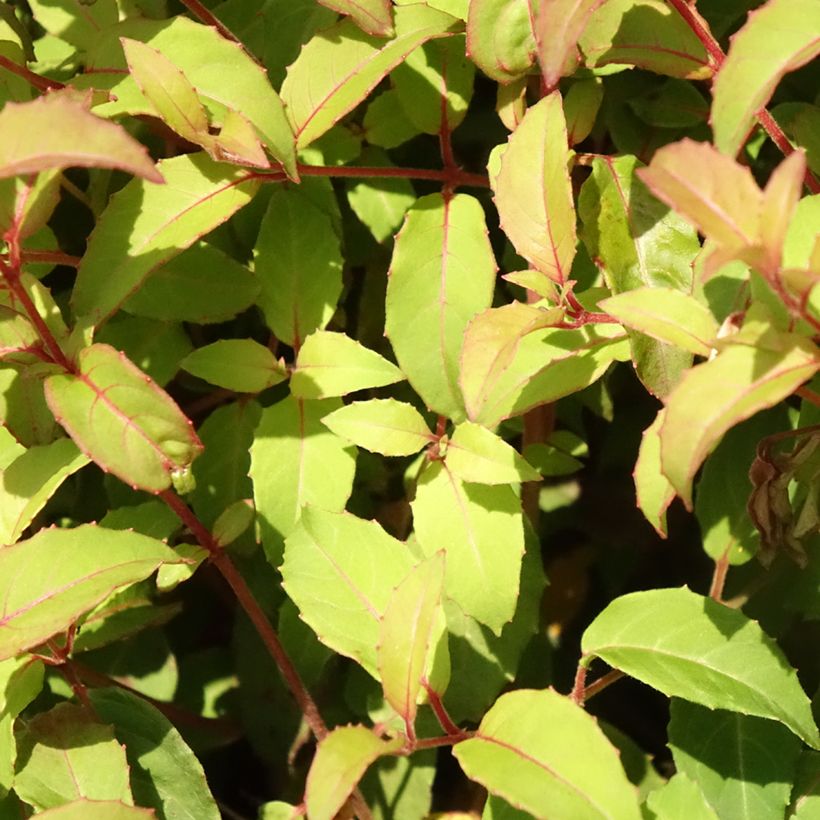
340	66
777	38
341	759
648	34
559	25
122	420
533	192
408	635
30	142
373	16
500	39
50	580
144	226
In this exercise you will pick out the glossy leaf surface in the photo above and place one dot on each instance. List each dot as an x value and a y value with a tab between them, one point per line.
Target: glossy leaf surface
691	647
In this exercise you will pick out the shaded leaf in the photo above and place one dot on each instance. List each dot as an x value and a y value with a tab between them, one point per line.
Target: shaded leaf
165	774
145	226
292	455
385	122
441	275
299	265
739	382
30	143
779	37
49	580
66	754
500	39
340	66
652	488
581	105
328	573
21	680
569	772
373	16
743	765
332	364
342	757
408	637
648	34
28	482
481	530
679	799
386	426
533	193
236	364
122	420
476	454
806	794
694	648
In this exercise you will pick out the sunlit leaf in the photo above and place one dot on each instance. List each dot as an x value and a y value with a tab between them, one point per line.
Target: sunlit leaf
384	426
373	16
340	66
97	810
341	759
777	38
30	143
145	225
332	364
533	193
49	580
569	772
500	38
328	573
481	530
441	275
694	648
679	799
122	420
21	680
236	364
475	454
653	490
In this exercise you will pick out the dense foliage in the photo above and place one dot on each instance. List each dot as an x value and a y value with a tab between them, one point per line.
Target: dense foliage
353	355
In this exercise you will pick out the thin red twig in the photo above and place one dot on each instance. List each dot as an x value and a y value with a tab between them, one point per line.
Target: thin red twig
37	81
252	609
446	740
808	395
50	257
602	683
444	719
453	176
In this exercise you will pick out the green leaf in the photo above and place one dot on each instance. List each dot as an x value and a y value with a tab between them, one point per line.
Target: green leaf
639	242
533	192
560	23
667	315
694	648
569	772
28	482
299	265
407	639
65	754
675	104
49	580
481	529
233	521
441	275
434	84
165	774
679	799
340	66
385	122
122	420
806	794
30	143
236	364
500	38
221	472
342	757
168	90
372	16
386	426
777	38
292	455
21	680
475	454
97	810
63	19
581	105
202	285
652	488
739	382
743	765
648	34
145	226
332	364
328	573
23	408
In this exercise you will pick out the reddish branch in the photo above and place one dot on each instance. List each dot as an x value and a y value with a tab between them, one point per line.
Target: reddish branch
582	692
719	577
689	13
252	609
37	81
453	177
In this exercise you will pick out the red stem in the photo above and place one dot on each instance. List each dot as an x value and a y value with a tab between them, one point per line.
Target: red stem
444	719
210	19
42	84
446	740
599	685
719	577
52	257
577	694
808	395
452	176
252	609
775	132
